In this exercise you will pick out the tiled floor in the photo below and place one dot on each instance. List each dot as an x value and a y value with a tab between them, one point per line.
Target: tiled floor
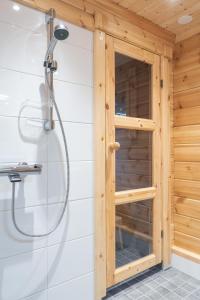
157	284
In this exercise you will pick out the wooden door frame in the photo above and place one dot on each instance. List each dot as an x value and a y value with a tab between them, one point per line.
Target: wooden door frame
100	160
114	45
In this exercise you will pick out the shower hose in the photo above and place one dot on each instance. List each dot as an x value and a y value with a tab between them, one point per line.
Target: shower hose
52	98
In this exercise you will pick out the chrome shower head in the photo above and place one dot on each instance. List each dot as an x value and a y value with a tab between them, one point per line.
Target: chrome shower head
61	33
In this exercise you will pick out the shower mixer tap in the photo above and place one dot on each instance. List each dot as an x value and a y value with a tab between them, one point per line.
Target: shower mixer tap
16	171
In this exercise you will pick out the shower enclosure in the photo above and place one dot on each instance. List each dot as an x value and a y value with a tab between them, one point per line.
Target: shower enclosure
16	173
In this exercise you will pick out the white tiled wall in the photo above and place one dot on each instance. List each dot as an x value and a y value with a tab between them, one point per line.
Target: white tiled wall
60	266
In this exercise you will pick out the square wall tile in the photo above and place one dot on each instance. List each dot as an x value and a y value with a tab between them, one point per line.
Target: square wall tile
30	54
32	220
77	221
75	102
74	64
25	17
26	98
38	296
81	172
23	275
78	289
22	140
69	260
79	139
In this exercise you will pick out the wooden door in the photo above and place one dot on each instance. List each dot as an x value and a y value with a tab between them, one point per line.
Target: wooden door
133	160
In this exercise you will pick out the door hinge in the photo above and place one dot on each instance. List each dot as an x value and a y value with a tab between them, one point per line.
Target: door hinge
161	83
162	233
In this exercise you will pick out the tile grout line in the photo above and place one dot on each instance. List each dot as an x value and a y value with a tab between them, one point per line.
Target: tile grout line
48	246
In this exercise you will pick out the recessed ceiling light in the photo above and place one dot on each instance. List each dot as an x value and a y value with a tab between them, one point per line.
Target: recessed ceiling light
185	19
16	7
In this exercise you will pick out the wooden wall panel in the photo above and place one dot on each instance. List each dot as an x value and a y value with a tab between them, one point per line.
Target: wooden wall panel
187	152
187	242
187	116
187	170
187	207
187	225
187	134
186	139
187	98
186	188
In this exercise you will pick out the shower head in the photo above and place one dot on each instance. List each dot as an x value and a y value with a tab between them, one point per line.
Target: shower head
60	33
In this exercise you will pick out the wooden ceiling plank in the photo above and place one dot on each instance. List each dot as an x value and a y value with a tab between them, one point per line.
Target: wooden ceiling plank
166	14
108	7
133	18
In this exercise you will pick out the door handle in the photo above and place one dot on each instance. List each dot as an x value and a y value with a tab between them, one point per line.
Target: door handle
114	146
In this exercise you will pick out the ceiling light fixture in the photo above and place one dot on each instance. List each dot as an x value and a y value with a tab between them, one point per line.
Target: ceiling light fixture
185	19
16	7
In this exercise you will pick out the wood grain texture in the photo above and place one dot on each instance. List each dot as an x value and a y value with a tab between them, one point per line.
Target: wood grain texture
187	152
186	188
187	242
186	134
187	98
187	64
166	175
186	138
186	254
187	225
134	196
109	7
187	170
166	14
187	207
100	165
136	267
187	116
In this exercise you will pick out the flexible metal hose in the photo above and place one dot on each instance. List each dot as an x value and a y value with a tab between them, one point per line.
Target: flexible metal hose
52	97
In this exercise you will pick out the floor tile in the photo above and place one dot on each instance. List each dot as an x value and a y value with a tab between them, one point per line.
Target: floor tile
162	290
172	296
157	284
135	294
188	287
182	292
169	285
197	293
153	295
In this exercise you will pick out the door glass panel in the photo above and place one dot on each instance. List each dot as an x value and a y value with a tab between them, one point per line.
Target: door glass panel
133	160
133	231
132	87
